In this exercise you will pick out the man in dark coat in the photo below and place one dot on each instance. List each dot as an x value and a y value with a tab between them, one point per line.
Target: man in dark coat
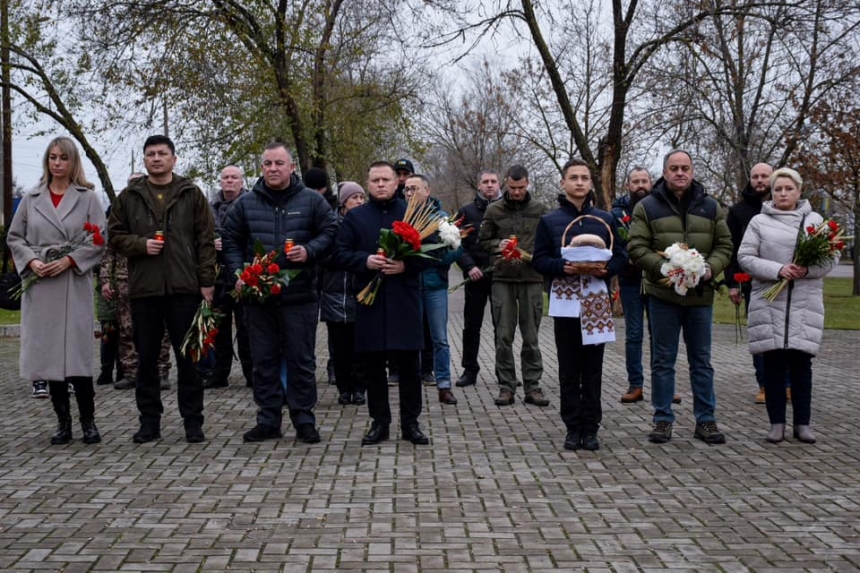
163	224
282	330
739	217
475	263
232	187
393	322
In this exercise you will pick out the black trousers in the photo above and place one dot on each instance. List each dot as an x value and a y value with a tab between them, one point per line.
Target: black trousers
224	341
283	339
150	315
348	366
377	386
580	374
780	366
478	293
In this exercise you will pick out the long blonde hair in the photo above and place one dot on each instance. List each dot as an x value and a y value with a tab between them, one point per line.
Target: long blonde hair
67	146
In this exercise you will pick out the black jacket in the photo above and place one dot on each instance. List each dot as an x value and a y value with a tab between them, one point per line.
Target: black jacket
739	217
273	216
473	255
393	321
220	206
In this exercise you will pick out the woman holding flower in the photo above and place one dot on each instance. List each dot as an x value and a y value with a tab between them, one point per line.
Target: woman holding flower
62	214
787	330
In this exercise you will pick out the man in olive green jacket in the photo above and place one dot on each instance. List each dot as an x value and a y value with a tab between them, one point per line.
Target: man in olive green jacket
164	225
679	211
517	290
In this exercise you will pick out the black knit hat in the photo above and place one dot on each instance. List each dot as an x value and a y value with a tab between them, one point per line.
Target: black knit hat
316	178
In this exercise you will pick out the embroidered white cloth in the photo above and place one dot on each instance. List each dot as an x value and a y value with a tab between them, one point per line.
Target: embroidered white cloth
587	298
585	254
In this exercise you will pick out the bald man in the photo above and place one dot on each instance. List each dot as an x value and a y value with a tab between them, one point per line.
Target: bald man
740	215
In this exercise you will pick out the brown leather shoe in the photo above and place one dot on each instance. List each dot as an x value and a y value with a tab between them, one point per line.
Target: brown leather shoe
676	399
506	398
537	398
633	395
447	397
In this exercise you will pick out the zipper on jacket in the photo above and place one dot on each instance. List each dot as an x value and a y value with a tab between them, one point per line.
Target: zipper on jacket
787	314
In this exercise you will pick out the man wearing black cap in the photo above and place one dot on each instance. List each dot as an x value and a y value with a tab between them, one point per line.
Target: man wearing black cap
404	170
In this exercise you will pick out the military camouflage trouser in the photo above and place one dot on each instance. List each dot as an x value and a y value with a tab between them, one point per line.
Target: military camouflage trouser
127	353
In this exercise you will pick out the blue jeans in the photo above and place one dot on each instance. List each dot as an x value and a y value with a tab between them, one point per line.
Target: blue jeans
436	310
633	302
667	320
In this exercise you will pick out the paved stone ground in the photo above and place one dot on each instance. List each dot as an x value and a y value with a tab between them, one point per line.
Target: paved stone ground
494	492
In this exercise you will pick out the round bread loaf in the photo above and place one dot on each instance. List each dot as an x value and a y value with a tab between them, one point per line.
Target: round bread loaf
588	240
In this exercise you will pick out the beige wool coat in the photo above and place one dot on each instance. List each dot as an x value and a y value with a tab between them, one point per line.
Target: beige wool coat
795	319
56	313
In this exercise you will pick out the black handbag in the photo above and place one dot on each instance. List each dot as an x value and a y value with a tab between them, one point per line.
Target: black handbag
9	280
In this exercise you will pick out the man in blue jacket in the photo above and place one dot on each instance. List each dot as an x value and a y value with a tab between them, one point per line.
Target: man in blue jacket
282	330
392	323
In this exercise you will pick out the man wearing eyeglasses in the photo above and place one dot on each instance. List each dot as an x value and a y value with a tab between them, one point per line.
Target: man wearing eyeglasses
282	330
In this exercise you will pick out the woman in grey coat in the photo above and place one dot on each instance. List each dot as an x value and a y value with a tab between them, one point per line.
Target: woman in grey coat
788	330
57	311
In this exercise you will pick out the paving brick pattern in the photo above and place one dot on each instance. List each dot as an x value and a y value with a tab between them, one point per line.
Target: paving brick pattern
494	491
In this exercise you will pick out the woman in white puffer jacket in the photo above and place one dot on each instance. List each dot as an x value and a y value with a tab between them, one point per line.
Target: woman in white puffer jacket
788	330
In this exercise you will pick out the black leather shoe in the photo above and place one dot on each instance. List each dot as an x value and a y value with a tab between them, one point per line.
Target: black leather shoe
91	433
358	398
262	432
307	434
590	442
376	434
573	441
344	398
413	433
146	434
467	379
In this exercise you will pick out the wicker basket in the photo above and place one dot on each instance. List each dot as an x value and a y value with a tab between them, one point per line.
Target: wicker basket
588	268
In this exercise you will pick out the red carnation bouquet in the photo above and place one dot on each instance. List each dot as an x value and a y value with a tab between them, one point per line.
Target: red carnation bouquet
405	239
814	248
262	277
513	253
200	338
52	254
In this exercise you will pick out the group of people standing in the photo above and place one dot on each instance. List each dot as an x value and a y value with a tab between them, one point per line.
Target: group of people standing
172	239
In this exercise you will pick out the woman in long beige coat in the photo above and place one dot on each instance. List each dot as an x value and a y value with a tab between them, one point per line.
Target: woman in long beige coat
57	311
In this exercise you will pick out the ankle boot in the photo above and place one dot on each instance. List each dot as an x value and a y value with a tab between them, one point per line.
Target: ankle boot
60	401
804	434
776	434
91	433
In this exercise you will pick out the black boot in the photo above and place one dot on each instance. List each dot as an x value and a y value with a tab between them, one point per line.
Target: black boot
60	401
85	396
91	433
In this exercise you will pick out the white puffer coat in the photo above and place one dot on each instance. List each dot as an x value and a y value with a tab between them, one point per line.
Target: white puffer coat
795	319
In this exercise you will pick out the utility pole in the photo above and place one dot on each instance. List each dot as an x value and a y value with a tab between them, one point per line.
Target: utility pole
6	113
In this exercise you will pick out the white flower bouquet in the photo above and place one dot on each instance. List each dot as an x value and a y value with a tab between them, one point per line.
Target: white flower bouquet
684	269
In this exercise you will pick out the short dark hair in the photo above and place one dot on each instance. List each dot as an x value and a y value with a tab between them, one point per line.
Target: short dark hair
517	173
382	164
276	145
574	162
159	140
421	177
636	168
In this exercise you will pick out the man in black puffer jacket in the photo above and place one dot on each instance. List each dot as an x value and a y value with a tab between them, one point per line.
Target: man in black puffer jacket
474	262
284	327
739	217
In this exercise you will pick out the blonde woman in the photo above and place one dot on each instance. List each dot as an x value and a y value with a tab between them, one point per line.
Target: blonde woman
57	311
